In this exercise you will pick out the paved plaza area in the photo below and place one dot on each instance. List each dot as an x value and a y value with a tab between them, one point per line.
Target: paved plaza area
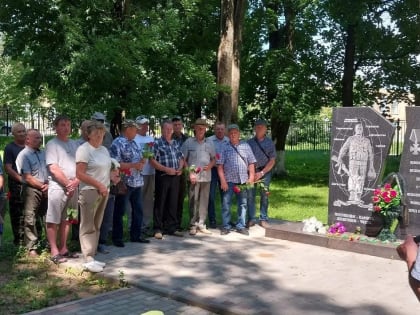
237	274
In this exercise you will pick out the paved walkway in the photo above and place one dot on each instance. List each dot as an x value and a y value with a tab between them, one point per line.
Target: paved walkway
237	274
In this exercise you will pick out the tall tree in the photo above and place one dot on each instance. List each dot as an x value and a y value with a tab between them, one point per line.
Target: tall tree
229	55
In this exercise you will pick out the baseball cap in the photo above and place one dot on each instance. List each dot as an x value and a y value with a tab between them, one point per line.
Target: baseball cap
233	126
142	120
98	116
129	123
260	122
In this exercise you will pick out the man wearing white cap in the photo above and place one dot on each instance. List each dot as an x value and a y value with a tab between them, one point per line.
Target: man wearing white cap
108	137
146	143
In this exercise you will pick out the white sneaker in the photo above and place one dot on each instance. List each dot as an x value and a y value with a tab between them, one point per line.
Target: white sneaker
204	230
100	263
92	267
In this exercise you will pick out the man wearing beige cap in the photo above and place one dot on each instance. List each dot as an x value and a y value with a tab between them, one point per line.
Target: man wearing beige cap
199	154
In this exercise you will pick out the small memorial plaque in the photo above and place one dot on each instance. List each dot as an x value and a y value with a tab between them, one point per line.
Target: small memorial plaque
360	143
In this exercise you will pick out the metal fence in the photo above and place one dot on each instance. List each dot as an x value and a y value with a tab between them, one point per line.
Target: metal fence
315	135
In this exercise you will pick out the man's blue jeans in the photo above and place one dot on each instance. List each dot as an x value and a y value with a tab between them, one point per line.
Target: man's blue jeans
133	197
242	207
214	184
263	200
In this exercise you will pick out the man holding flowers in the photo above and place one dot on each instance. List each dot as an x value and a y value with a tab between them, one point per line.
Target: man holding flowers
235	166
200	153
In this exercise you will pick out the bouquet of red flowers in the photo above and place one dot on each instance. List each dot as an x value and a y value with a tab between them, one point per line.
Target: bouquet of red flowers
387	201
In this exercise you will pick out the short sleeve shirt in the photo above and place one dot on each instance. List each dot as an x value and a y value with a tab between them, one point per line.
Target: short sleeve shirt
127	151
167	153
98	163
199	155
267	146
30	161
63	154
235	167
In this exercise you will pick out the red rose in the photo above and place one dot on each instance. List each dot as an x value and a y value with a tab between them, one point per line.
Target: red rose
236	189
150	144
198	170
393	193
267	193
217	156
377	208
387	186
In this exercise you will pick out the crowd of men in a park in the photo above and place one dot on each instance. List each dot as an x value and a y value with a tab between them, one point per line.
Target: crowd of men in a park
84	187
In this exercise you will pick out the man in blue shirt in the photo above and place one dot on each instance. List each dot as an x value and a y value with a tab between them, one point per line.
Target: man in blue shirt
265	152
235	166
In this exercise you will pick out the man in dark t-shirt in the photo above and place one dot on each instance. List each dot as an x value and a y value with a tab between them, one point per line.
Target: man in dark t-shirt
14	180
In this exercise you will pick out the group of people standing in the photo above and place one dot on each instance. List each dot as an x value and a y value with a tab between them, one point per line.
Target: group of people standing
81	179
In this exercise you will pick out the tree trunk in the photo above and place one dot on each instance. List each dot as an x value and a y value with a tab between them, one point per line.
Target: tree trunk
228	59
348	73
279	130
280	37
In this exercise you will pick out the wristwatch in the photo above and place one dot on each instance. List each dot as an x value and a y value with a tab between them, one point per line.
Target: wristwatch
262	172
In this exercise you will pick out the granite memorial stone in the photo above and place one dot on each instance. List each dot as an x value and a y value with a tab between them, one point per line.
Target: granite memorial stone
360	143
410	171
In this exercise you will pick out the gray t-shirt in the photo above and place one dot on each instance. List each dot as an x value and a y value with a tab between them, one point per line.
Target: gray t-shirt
62	153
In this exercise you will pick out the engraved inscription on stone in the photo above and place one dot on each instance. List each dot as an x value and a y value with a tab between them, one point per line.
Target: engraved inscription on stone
360	143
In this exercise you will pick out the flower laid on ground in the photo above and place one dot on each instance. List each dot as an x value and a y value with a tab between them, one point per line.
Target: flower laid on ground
72	216
148	150
312	225
337	228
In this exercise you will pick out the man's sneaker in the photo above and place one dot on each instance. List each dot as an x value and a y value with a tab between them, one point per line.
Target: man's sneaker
213	225
193	230
100	263
92	266
158	235
204	230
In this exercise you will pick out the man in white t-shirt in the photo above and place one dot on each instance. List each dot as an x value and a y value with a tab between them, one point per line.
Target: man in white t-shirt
146	142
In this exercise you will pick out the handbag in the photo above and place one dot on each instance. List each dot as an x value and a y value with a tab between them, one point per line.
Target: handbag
119	189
